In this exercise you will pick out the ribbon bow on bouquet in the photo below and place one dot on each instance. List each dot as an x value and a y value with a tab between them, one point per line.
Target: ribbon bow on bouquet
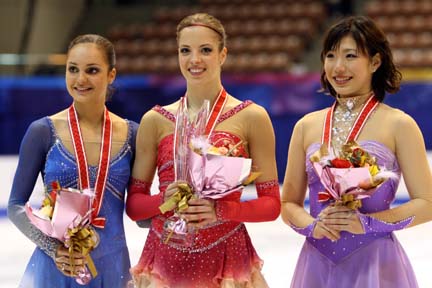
65	215
352	176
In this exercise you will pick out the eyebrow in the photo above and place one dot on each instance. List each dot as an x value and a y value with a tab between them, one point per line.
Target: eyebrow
202	45
90	64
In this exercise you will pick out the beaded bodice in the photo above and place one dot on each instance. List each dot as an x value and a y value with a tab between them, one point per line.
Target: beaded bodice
60	165
380	200
345	114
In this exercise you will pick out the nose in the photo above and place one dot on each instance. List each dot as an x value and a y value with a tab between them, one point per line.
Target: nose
339	65
195	57
82	77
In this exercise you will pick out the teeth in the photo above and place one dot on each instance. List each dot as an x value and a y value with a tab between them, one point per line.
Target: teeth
196	70
342	79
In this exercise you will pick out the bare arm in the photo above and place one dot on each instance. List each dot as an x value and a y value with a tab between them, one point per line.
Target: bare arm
294	191
411	155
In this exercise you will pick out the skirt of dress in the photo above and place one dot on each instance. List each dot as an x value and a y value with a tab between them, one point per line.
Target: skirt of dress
230	263
381	264
113	271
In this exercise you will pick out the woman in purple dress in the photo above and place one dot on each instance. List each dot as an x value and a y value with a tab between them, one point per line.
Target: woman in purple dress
346	247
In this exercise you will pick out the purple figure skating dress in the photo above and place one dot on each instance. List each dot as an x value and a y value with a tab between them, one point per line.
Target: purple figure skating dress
371	260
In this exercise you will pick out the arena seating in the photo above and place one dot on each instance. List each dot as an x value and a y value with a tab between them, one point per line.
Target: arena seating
262	35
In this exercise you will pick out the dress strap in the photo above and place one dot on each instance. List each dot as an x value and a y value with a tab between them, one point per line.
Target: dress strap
170	116
234	111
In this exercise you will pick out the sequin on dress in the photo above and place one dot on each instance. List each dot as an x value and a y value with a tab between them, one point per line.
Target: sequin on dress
326	264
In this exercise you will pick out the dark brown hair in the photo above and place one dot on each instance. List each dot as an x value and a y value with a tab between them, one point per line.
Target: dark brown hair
370	40
205	20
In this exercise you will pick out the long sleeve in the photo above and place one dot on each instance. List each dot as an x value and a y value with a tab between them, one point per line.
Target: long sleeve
140	204
33	150
265	208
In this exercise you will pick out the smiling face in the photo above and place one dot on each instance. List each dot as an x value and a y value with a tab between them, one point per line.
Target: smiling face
88	74
199	56
349	70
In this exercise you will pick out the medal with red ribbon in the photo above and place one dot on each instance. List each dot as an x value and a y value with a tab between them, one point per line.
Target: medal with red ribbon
81	159
364	114
360	121
215	111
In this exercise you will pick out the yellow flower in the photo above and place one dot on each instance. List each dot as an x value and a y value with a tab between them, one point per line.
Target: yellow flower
373	169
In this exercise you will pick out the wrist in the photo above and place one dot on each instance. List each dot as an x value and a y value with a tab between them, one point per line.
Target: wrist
374	225
305	231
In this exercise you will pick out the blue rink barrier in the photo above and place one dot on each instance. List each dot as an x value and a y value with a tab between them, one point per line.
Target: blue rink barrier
286	97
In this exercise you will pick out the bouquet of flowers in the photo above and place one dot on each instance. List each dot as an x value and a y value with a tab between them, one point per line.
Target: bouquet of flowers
65	215
349	177
209	171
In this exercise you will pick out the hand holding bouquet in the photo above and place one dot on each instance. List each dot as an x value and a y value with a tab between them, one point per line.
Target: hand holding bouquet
349	177
210	171
65	215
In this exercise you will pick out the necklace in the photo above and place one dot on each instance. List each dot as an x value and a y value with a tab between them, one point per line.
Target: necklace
346	118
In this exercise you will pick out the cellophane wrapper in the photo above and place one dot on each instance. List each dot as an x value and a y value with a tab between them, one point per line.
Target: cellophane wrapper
71	216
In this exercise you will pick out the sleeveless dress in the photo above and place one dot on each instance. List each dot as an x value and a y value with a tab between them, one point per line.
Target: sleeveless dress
222	254
111	256
326	264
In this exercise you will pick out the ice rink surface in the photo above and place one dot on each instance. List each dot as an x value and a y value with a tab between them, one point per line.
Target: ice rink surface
277	244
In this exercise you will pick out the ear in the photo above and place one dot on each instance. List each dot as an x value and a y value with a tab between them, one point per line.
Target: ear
112	75
223	55
375	62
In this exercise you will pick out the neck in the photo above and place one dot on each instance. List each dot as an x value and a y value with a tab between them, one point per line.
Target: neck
197	94
90	116
352	103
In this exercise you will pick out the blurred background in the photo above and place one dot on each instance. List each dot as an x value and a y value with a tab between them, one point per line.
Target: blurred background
273	59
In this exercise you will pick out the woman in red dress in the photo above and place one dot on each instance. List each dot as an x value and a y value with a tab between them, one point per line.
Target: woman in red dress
222	254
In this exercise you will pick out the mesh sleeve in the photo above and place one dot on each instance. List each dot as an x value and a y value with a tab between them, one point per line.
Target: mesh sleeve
34	147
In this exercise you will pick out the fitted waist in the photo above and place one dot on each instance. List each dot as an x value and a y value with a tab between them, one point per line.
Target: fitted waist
202	239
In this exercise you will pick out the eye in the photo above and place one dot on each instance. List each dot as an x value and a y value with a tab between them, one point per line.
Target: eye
92	70
184	50
73	69
351	55
206	50
329	55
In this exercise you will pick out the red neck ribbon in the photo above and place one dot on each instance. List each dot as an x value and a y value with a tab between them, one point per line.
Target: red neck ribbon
80	155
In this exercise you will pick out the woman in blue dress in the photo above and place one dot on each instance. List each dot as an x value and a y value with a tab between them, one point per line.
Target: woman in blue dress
82	146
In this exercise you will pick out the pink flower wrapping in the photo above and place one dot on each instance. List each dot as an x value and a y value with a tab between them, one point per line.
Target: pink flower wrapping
70	223
342	181
352	176
215	176
71	208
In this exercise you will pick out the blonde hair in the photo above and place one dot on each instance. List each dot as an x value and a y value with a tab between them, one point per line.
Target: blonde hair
204	20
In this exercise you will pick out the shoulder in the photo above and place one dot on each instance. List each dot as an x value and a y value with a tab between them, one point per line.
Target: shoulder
312	118
39	134
398	118
254	108
153	115
40	126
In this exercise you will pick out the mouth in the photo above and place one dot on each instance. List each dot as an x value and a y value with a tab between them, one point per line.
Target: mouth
196	71
342	80
82	89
